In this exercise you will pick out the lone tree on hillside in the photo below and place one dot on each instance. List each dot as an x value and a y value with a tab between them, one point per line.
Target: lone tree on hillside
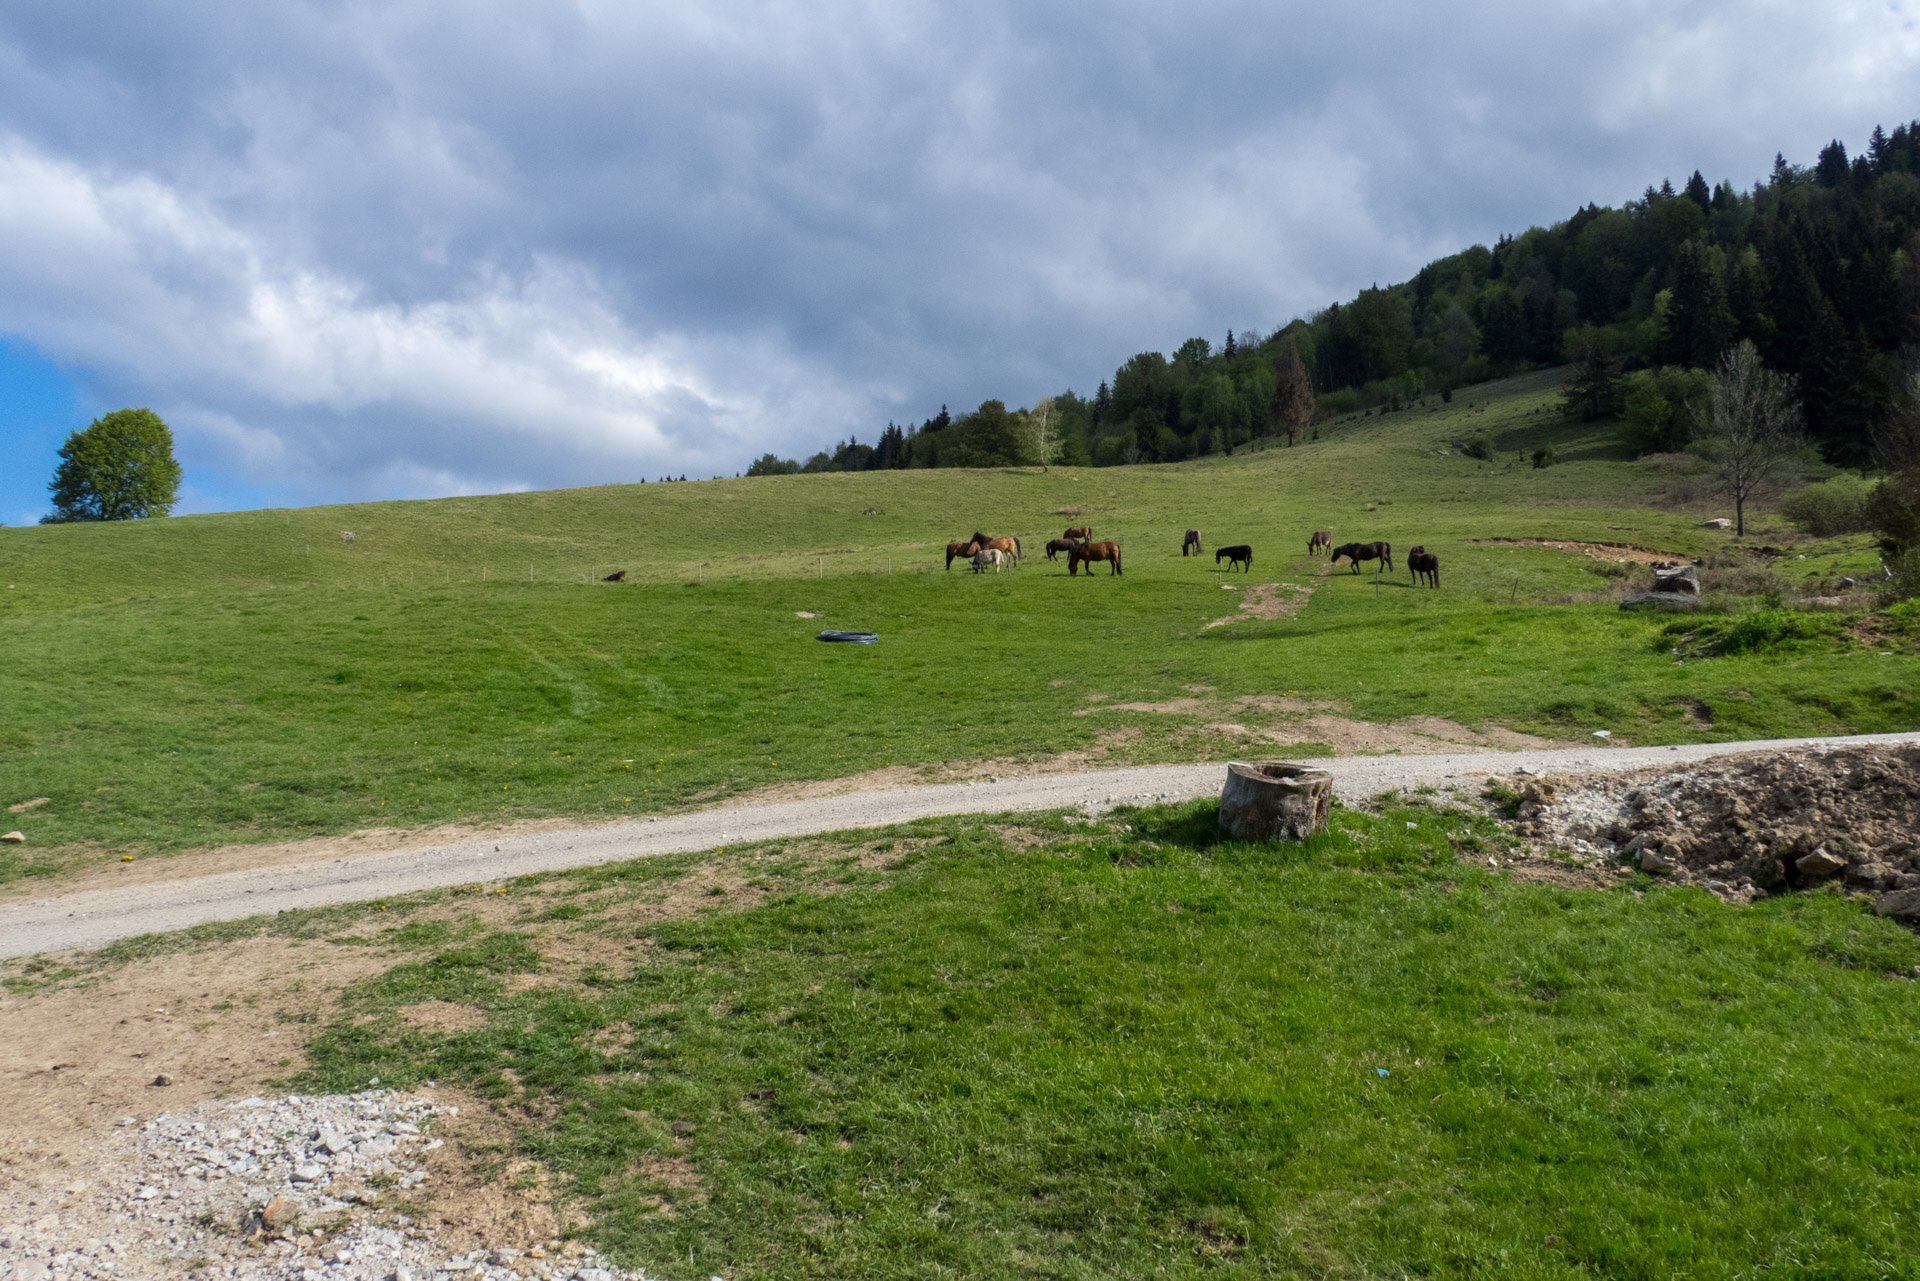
1042	433
1754	425
1588	392
120	468
1292	406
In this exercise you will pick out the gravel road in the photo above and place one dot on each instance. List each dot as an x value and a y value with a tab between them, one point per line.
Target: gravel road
90	918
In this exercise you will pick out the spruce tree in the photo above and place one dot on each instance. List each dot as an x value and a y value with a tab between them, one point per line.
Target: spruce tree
1292	406
1699	323
1588	392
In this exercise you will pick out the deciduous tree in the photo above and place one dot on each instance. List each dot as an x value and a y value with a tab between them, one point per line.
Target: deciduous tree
1754	425
120	468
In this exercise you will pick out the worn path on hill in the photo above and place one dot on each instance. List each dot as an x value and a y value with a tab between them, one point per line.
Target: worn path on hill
92	917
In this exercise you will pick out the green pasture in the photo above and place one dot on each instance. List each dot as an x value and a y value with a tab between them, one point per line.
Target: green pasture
1041	1047
194	681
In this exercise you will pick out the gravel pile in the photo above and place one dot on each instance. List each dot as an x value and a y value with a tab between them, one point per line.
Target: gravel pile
1748	826
286	1189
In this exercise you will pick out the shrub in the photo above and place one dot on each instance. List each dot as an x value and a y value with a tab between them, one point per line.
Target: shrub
1836	506
1661	407
1763	631
1480	447
1545	456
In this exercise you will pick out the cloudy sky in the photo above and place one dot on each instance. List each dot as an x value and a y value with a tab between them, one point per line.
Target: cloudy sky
374	250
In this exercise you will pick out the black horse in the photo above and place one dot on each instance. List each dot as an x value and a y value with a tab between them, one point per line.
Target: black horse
1425	566
1241	555
1056	546
1357	552
1190	546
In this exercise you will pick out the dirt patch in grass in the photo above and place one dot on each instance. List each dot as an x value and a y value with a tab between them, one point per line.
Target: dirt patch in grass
895	776
1268	601
441	1016
217	1021
1303	721
483	1194
1619	553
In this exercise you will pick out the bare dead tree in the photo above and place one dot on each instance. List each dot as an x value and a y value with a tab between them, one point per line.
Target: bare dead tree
1753	426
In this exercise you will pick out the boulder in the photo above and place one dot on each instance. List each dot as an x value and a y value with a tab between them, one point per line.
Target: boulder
1718	522
1819	864
1899	903
1663	602
14	838
1653	858
1274	800
1681	579
278	1214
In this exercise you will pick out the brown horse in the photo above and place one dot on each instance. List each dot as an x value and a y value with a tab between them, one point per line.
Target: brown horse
1425	566
1009	546
962	551
1058	545
1091	552
1357	552
1321	538
1082	532
1190	546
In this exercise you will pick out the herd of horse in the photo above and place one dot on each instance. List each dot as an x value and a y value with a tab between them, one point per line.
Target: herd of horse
983	553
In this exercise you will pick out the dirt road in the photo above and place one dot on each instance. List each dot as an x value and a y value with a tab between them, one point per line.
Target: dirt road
91	917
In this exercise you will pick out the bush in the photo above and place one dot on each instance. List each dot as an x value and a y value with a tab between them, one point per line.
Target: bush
1545	456
1661	406
1480	447
1836	506
1336	403
1764	631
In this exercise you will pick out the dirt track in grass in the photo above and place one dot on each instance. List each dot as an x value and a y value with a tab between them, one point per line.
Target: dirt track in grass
97	915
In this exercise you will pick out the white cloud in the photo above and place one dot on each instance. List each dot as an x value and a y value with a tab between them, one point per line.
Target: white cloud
367	249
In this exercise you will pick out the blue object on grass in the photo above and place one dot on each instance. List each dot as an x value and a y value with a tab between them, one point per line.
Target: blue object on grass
1383	1072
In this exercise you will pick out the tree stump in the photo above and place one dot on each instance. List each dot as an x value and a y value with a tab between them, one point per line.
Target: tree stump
1273	800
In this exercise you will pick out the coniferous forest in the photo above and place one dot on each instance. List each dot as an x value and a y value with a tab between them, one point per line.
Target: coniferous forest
1818	266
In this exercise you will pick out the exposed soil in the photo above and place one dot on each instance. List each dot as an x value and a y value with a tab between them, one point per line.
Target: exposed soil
1290	721
1618	553
1750	825
1268	601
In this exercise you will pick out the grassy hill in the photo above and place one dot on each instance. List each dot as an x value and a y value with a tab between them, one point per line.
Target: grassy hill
254	676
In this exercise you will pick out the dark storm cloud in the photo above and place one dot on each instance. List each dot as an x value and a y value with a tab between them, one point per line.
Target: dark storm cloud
369	249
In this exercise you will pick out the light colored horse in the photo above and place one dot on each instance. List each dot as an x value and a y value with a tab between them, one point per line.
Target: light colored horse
989	556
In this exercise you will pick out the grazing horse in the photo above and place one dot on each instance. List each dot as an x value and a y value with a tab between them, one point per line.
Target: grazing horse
1091	552
963	551
988	556
1357	552
1425	566
1082	532
1241	555
1191	544
618	576
1010	547
1321	538
1058	545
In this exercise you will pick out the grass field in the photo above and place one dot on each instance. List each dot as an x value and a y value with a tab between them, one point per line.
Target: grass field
1043	1047
197	681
